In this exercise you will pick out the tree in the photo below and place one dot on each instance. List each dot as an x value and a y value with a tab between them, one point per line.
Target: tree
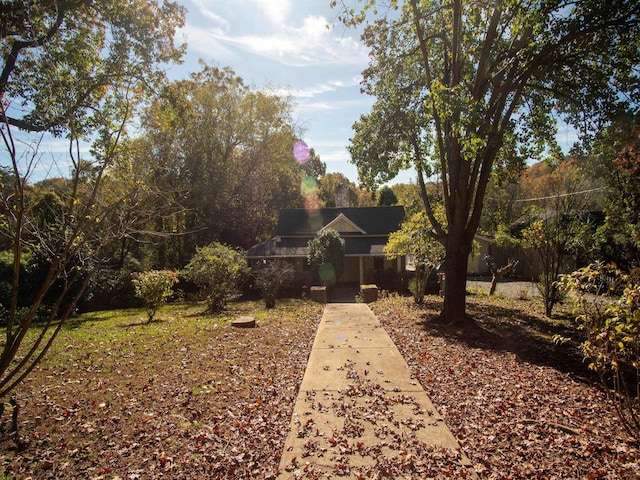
364	198
456	82
271	277
386	196
548	239
228	151
498	272
75	69
561	201
408	195
218	270
59	59
415	239
621	231
503	204
314	167
326	257
328	187
154	288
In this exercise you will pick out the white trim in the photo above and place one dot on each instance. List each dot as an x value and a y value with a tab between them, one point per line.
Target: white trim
342	218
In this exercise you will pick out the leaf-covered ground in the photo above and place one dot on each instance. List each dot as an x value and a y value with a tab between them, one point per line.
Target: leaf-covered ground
190	397
187	396
521	406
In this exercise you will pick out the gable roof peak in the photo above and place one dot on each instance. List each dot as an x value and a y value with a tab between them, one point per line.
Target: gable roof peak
342	223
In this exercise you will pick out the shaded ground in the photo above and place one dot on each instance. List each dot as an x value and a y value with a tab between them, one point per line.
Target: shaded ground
520	405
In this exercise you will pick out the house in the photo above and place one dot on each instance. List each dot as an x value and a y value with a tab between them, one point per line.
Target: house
483	246
365	231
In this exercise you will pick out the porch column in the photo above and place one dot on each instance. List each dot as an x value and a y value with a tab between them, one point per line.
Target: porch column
398	264
361	262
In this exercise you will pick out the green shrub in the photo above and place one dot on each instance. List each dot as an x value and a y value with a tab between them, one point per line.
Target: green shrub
271	277
415	240
326	257
218	270
154	288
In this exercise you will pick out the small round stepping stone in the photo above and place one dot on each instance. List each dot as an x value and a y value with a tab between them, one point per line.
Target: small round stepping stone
244	322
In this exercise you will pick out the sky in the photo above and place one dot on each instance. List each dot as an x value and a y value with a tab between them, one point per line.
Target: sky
296	47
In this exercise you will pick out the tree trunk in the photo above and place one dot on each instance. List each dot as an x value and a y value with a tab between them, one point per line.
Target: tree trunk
421	278
455	289
498	273
269	300
494	283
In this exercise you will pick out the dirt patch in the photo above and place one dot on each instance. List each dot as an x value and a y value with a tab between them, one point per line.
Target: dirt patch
515	289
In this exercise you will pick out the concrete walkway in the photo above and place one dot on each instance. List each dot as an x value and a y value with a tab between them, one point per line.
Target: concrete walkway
359	414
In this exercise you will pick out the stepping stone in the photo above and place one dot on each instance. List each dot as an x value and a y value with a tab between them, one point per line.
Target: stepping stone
244	322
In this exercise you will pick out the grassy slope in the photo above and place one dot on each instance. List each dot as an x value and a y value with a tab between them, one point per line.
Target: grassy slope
185	396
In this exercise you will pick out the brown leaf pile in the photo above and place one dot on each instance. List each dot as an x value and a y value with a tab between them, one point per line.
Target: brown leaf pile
502	391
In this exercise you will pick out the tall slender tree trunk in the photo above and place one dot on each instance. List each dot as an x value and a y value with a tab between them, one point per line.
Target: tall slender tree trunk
455	288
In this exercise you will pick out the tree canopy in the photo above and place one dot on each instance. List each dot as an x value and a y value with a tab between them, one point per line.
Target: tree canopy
326	256
227	149
456	83
62	58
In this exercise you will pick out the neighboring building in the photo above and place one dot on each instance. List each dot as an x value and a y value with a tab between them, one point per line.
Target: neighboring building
484	246
365	231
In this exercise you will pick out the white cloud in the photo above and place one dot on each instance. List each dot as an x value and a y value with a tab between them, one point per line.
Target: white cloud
296	49
207	43
276	11
207	12
311	91
308	43
335	156
322	106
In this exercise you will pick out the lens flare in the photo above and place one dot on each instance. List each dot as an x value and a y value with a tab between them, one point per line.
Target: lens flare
301	151
309	187
327	274
315	219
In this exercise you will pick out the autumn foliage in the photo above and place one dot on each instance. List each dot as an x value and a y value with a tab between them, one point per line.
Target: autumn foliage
608	311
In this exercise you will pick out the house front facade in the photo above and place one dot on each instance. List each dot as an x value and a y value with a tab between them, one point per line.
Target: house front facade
365	231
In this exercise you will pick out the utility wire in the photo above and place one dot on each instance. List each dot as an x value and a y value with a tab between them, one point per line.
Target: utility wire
556	196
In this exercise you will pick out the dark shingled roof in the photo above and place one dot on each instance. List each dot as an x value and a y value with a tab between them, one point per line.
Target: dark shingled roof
296	226
373	220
